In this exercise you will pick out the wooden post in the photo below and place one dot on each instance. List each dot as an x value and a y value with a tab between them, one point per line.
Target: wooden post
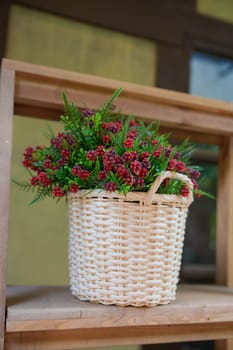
224	241
6	116
4	17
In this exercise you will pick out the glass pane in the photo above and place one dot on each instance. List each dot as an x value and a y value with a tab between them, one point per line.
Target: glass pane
211	76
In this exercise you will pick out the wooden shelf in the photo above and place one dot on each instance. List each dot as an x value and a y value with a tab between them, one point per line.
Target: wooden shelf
49	318
52	308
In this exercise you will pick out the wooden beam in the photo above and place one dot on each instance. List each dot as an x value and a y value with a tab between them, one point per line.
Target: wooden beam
189	4
73	339
26	73
224	240
6	116
38	308
224	244
42	88
173	70
4	16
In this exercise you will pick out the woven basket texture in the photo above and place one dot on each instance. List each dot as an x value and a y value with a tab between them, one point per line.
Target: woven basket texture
126	250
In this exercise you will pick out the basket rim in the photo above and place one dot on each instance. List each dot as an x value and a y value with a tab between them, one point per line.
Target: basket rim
132	196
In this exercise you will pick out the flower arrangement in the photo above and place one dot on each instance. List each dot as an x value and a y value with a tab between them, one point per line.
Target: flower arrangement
103	149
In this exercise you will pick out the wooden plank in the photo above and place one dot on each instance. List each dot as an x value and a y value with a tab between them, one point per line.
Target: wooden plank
6	113
226	344
50	308
224	244
150	107
84	338
62	78
49	96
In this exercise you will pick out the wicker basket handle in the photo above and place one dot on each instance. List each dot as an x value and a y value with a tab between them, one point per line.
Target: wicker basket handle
168	175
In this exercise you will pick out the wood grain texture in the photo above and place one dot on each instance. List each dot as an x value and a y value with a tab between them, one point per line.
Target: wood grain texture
84	338
54	308
224	240
224	244
61	78
6	114
48	96
40	88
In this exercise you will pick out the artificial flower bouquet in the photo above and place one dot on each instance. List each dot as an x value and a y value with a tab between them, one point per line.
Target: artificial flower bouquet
104	150
128	191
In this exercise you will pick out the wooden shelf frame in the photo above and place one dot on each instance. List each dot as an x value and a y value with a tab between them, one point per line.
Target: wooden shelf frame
199	312
35	91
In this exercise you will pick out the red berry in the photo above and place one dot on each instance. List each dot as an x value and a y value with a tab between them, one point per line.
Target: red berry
47	164
195	184
132	122
122	172
144	155
74	188
158	152
110	186
106	139
132	134
58	192
198	194
165	182
92	155
34	180
102	175
184	191
65	153
28	152
114	127
172	164
44	179
180	167
129	143
26	163
100	150
143	172
154	142
128	156
136	167
138	182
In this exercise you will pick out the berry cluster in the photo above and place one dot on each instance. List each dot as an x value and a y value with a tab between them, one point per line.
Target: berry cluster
99	149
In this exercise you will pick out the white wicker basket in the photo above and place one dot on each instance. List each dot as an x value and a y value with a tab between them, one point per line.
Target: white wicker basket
126	250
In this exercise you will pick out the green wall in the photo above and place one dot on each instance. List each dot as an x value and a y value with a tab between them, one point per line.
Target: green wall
222	10
38	233
42	38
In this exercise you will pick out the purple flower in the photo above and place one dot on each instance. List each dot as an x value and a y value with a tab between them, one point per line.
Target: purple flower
87	112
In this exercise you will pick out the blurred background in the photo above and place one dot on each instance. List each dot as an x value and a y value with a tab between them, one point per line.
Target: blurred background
183	45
